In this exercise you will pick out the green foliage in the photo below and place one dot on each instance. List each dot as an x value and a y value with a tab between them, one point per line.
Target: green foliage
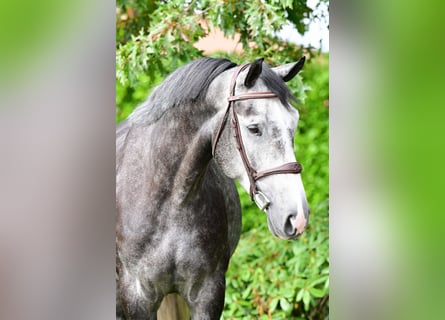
149	32
167	35
275	279
267	278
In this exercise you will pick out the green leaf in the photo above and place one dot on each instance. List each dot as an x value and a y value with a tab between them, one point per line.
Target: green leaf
273	304
317	292
285	305
306	299
246	292
318	281
300	295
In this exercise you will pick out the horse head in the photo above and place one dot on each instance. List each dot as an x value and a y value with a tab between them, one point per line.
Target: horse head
253	142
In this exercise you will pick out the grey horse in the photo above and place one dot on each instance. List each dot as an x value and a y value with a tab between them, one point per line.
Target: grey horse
177	156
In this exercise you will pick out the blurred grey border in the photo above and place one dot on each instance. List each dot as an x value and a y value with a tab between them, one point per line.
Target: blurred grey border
361	253
351	241
57	141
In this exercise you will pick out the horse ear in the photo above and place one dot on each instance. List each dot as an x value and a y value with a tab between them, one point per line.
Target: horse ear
254	72
289	71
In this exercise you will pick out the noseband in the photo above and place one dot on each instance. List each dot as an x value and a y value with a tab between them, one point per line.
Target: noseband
291	167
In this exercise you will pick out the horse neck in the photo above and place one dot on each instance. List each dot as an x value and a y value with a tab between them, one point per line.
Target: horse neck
198	139
193	165
182	148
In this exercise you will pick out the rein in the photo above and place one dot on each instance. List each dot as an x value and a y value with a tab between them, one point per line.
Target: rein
287	168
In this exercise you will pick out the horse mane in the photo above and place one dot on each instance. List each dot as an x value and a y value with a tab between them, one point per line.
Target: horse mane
189	85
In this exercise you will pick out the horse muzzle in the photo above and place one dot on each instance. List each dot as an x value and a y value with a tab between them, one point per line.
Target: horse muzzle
289	226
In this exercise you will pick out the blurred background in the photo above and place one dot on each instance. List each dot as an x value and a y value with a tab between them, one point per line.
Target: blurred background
58	97
267	278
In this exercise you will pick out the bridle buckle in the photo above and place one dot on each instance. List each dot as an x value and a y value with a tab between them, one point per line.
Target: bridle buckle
261	200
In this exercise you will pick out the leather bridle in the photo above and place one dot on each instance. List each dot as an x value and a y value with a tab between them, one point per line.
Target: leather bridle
287	168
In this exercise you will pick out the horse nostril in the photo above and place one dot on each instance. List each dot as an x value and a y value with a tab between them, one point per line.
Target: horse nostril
295	225
289	228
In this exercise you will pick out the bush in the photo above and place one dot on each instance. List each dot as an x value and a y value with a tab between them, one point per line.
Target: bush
275	279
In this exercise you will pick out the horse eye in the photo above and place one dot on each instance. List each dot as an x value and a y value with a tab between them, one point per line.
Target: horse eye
253	129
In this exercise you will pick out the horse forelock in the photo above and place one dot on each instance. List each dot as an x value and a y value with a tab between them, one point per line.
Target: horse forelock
276	84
